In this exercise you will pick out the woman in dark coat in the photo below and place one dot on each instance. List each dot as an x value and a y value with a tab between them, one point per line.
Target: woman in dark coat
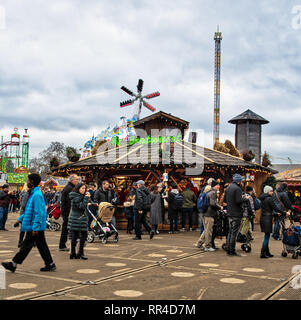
173	211
78	219
268	207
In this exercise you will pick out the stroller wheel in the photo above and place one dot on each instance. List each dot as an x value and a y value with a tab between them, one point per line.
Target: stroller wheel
295	256
224	246
246	248
283	254
116	240
104	240
52	226
58	226
90	237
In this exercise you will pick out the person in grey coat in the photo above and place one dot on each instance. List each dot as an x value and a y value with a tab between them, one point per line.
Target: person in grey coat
156	206
78	219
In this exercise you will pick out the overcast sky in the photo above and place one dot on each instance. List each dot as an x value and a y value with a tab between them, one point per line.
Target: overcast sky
62	63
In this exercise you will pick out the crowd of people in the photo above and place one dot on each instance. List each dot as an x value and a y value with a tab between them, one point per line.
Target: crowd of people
146	206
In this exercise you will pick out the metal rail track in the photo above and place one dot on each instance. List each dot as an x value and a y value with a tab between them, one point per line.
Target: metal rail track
102	280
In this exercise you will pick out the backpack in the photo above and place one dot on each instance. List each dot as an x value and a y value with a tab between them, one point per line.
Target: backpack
257	204
178	201
202	205
146	201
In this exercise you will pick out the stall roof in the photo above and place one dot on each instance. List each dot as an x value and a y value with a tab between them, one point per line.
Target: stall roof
143	154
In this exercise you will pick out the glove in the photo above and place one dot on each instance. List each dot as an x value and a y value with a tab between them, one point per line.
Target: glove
16	224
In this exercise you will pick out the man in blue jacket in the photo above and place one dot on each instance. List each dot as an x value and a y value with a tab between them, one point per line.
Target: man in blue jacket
34	224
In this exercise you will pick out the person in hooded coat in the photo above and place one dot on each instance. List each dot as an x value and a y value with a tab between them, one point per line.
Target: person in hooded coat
78	219
268	207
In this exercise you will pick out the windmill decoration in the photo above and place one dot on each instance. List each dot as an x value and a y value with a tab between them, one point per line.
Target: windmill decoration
138	96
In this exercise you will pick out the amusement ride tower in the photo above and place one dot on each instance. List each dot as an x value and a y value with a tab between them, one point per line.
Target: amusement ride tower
217	84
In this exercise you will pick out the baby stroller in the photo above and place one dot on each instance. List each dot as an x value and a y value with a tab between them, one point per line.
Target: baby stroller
53	211
291	239
222	220
101	226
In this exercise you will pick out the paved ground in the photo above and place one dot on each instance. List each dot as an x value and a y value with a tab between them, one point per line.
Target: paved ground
167	267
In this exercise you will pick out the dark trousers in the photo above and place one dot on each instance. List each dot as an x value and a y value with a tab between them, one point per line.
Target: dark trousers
265	243
21	237
27	245
82	236
141	220
129	226
234	226
155	227
173	224
187	212
64	233
3	217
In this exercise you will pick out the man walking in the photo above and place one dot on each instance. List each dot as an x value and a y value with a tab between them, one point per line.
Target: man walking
65	210
142	205
208	216
34	224
234	201
4	204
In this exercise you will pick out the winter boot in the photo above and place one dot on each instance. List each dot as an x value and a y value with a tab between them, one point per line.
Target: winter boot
263	254
268	253
80	254
73	254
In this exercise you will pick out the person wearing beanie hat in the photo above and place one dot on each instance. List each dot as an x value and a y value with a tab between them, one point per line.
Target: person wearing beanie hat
267	189
33	222
234	200
4	204
268	207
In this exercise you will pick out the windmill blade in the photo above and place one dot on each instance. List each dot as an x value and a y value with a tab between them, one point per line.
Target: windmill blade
148	106
128	91
140	85
152	95
126	103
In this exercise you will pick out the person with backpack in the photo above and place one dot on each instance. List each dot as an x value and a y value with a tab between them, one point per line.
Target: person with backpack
202	206
189	200
210	208
142	206
175	202
283	203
